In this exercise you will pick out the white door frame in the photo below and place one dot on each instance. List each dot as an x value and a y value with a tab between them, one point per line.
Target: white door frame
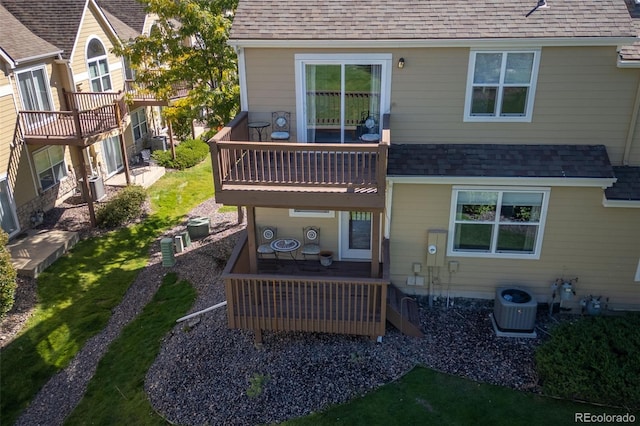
12	204
302	59
343	239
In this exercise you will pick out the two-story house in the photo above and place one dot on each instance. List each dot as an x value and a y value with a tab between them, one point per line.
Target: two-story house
450	149
65	122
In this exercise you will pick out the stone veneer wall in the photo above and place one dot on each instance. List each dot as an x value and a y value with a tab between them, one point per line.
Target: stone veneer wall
45	202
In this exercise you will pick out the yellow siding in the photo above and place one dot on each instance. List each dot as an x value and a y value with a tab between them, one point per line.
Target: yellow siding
93	26
600	246
581	97
8	118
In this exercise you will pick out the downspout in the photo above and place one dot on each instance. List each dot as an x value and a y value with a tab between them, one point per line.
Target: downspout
632	127
387	209
242	79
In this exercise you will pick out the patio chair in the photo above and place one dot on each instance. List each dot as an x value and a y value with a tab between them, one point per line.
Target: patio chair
369	131
145	155
280	126
311	241
267	235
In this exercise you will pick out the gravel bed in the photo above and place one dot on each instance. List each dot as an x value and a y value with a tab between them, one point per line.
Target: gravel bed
204	372
208	374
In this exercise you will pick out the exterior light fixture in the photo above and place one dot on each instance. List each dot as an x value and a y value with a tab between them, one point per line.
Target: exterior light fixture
401	63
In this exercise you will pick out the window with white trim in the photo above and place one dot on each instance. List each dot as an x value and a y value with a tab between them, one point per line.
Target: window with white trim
501	85
311	213
97	61
139	124
50	165
497	222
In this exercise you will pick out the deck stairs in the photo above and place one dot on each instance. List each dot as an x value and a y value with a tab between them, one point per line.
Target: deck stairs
402	312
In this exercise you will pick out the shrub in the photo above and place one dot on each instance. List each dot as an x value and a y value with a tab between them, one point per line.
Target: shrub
122	208
595	359
188	154
7	277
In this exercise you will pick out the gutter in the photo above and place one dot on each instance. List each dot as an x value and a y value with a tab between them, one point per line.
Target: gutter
461	42
37	57
627	204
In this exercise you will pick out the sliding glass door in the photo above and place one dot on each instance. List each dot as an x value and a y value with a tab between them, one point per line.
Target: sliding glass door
8	218
337	94
112	155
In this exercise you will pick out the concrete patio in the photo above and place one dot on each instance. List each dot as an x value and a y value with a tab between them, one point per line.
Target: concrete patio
36	249
144	176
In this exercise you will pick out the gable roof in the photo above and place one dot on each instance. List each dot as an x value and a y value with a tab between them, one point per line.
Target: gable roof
56	21
404	20
130	13
19	44
508	161
123	31
632	52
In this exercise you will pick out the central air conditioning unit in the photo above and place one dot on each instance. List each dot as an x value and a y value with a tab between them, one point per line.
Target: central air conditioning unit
514	312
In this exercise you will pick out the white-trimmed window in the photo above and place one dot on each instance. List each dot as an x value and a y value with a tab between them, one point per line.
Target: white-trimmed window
35	94
139	124
97	62
50	165
501	85
505	222
311	213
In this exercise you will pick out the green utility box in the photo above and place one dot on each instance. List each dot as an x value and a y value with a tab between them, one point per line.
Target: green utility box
168	256
186	239
198	227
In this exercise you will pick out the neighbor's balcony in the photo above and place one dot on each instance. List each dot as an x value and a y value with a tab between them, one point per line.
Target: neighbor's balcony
305	296
306	175
90	117
139	95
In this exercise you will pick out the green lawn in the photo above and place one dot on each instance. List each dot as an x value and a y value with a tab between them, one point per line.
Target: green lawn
116	393
77	293
427	397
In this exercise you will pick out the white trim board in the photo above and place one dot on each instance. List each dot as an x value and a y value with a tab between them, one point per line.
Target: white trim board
6	90
628	204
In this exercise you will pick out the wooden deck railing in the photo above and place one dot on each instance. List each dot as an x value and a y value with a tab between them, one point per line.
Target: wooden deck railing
355	166
91	114
303	303
140	91
328	104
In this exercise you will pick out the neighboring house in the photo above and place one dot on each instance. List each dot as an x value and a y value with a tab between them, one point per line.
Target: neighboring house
508	154
65	121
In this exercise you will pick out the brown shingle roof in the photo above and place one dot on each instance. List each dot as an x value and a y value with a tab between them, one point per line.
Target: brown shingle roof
123	31
489	160
632	52
18	42
130	12
432	19
627	187
56	21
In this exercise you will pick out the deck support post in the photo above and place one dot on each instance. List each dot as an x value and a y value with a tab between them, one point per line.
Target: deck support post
171	144
86	189
257	336
251	235
125	158
375	244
